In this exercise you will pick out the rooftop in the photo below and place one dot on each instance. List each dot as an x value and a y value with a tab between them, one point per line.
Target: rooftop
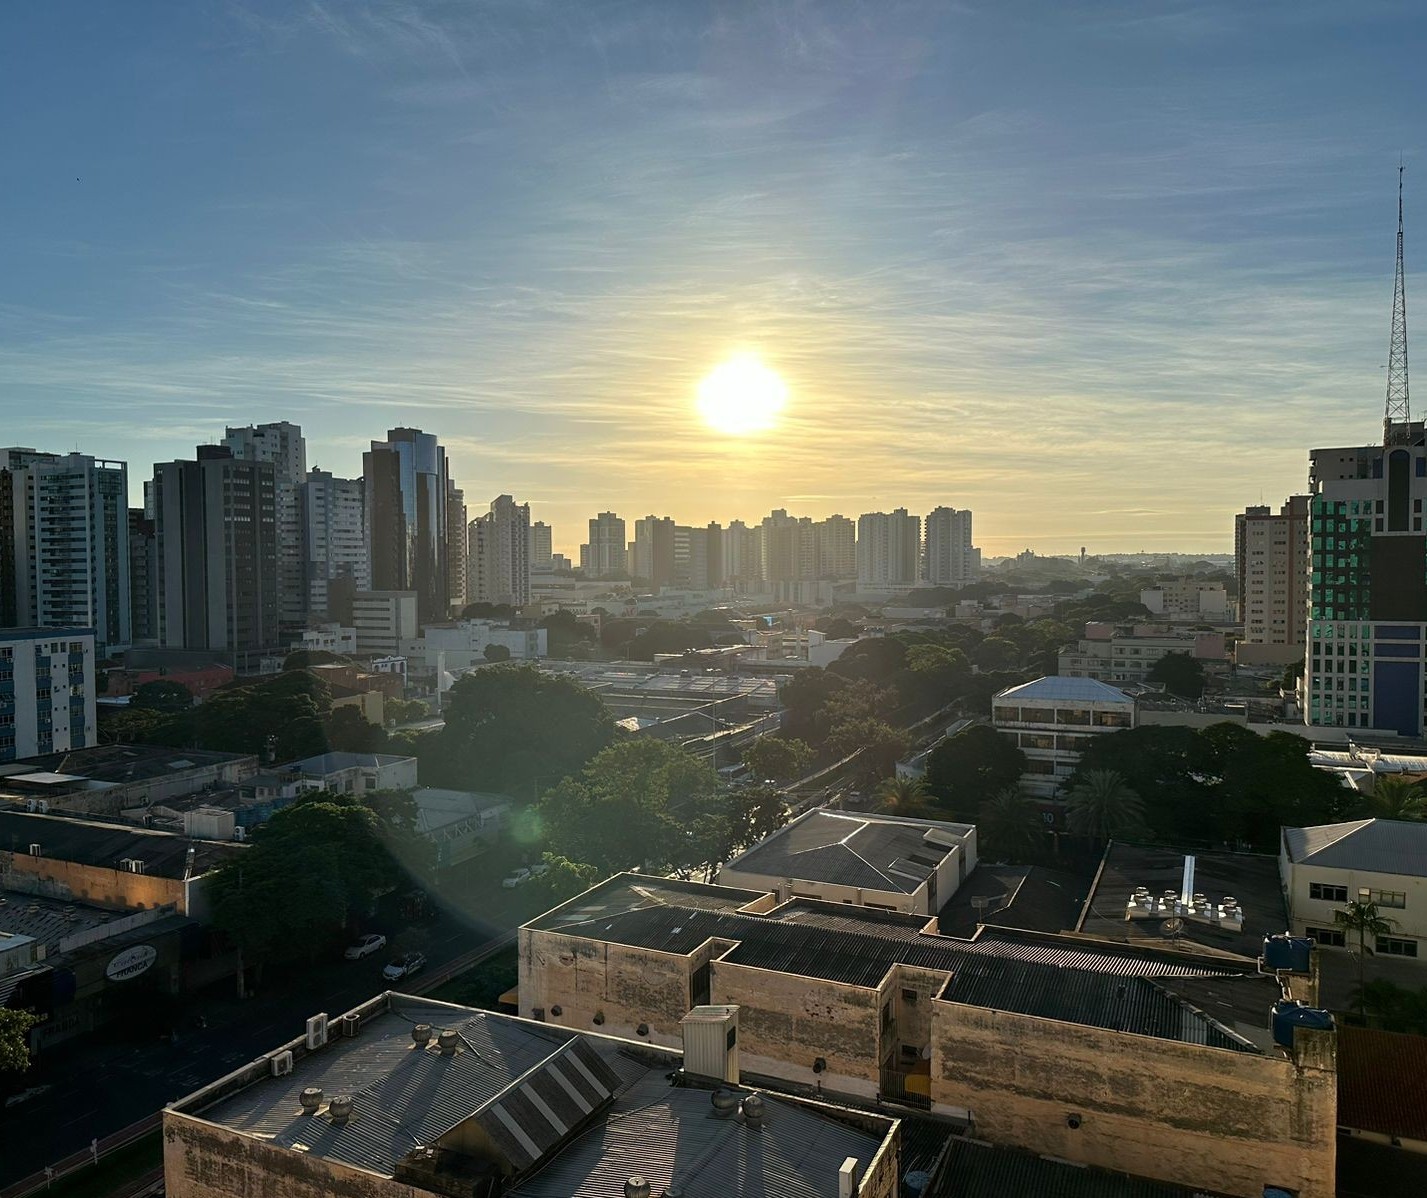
1065	690
565	1114
874	852
1383	846
104	765
1058	977
975	1169
330	763
90	842
1033	898
1382	1082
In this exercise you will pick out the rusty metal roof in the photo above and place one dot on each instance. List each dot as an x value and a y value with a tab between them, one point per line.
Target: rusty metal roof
1382	1082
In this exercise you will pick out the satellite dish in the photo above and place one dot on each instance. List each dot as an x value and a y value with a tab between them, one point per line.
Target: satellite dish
1173	926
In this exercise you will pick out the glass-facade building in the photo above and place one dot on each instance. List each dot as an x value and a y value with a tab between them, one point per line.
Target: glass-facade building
407	486
1367	617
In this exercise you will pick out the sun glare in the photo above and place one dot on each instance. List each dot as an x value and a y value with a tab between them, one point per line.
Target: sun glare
741	396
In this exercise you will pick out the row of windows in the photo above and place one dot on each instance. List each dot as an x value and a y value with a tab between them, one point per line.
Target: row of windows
1387	946
1324	892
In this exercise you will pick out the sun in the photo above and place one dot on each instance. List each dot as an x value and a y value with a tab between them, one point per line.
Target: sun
741	396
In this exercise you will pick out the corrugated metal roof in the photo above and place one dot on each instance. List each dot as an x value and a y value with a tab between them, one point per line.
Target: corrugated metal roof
1382	846
1382	1082
978	1170
668	1134
1050	689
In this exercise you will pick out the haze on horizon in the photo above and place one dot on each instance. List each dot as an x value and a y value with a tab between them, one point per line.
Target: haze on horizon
1102	273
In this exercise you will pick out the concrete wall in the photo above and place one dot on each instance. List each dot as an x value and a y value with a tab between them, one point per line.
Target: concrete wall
913	904
205	1161
113	888
1225	1121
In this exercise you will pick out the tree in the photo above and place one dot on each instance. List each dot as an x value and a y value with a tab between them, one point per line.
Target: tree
781	759
1392	1007
509	728
1180	674
996	653
347	730
1364	919
872	659
1009	825
903	796
311	868
639	802
487	611
494	652
305	659
965	770
754	813
1101	806
15	1039
880	744
563	879
162	695
1395	797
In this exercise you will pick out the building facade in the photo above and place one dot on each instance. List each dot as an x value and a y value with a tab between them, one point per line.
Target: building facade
499	569
384	620
1051	720
651	555
47	691
143	579
215	522
951	559
542	548
1367	618
606	555
836	542
1124	653
334	535
407	485
1187	599
889	550
742	556
1271	555
458	547
282	444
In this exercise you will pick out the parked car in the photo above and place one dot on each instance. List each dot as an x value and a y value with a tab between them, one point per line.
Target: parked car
407	966
365	947
26	1095
540	869
516	879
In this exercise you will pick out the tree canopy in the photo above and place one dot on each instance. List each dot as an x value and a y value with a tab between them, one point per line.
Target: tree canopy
1180	674
162	695
1101	806
781	759
515	729
966	770
15	1039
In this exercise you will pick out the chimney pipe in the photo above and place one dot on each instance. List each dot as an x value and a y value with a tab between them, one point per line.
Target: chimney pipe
848	1178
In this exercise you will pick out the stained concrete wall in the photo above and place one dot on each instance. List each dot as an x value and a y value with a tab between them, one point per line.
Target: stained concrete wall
1226	1121
202	1160
115	888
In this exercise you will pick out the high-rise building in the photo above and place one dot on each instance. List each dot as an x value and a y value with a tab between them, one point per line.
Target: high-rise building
1367	618
1271	558
742	556
607	553
143	578
282	444
67	536
542	548
951	560
889	550
652	554
500	554
406	480
334	544
47	691
836	539
457	547
698	556
215	526
788	549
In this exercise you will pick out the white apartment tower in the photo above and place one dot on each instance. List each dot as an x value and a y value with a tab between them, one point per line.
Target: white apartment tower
607	553
282	444
951	559
889	550
334	531
542	548
1271	553
836	541
499	557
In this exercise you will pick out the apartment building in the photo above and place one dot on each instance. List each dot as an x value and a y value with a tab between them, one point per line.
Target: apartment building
47	691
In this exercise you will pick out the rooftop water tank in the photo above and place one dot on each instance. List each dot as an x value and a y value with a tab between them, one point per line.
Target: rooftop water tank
1290	1015
1283	951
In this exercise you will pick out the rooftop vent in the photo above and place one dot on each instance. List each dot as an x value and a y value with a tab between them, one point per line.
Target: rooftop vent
723	1102
753	1111
447	1042
310	1099
340	1109
637	1187
421	1034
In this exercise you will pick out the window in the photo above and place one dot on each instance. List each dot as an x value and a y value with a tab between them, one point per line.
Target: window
910	1053
1327	894
1388	898
909	996
1396	946
1328	937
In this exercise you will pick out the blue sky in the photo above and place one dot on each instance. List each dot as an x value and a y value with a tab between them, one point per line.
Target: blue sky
1101	272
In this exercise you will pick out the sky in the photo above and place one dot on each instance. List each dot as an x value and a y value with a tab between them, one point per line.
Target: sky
1101	272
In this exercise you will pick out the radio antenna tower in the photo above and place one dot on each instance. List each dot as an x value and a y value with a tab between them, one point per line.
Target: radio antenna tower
1397	416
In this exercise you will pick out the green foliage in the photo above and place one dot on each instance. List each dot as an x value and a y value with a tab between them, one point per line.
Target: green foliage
1009	826
881	745
1368	922
406	711
509	725
667	636
873	659
15	1039
1218	785
347	730
565	636
487	611
305	659
639	802
968	769
780	758
162	695
996	653
1395	798
1392	1007
838	628
1180	674
754	812
494	652
563	879
311	868
1101	806
904	796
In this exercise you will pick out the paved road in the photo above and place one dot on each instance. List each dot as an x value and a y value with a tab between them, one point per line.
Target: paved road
99	1086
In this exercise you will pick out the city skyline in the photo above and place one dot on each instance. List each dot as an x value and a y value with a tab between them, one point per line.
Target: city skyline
534	233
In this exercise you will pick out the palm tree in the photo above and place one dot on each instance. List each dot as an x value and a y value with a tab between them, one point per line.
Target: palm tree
1009	823
1362	916
1101	806
1394	797
902	796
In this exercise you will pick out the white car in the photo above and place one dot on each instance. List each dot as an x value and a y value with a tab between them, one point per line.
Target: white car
365	947
516	879
539	871
410	964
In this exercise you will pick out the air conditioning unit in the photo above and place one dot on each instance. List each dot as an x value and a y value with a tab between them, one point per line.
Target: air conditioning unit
34	850
240	833
42	806
133	865
351	1024
317	1031
281	1063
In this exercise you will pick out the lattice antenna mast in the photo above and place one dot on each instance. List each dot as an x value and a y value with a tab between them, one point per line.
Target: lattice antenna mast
1397	415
